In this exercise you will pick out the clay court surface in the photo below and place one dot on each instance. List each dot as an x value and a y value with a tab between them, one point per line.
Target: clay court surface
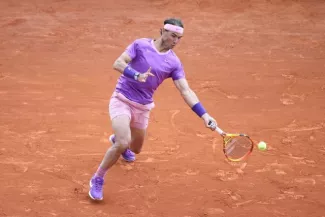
257	66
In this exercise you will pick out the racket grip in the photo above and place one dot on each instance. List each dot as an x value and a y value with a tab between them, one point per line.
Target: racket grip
220	131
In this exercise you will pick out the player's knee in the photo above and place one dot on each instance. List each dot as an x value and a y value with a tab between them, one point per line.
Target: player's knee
123	142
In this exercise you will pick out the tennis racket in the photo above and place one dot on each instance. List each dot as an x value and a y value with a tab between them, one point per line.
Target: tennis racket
236	146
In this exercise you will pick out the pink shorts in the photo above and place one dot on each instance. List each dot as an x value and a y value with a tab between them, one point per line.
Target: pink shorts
138	113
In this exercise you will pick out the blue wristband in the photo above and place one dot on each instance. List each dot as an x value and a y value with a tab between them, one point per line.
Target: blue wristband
130	72
199	109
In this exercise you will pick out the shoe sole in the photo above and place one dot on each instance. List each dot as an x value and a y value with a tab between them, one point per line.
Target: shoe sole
91	185
127	159
111	141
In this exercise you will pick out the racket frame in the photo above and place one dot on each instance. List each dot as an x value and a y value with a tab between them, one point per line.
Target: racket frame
227	137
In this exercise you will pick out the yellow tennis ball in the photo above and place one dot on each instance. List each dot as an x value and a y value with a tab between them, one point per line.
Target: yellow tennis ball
261	146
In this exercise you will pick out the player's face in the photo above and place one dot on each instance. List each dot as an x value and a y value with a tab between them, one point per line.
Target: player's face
171	39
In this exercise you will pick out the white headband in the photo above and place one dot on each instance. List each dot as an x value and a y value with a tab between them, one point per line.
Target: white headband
174	28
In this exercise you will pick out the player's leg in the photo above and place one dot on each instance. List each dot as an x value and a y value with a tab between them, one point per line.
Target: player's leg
127	154
138	136
137	139
120	113
122	133
139	124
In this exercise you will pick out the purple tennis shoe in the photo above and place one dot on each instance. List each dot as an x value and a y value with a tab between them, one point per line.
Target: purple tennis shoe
96	188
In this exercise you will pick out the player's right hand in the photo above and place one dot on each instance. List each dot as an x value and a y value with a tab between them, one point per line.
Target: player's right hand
209	121
144	76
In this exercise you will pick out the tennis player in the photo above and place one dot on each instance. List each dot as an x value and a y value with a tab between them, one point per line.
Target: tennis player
144	65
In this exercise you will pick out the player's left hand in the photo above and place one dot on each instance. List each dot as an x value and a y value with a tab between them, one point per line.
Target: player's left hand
144	76
209	121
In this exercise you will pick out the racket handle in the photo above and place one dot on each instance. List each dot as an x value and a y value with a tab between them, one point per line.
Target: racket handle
220	131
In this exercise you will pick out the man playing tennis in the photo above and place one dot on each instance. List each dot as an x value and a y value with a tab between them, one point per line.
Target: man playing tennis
144	65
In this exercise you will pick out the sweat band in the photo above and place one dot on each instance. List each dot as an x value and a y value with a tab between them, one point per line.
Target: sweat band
199	109
129	72
174	28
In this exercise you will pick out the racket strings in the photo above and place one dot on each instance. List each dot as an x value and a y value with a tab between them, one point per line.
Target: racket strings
238	147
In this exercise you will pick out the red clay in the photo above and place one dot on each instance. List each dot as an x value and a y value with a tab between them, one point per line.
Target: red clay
257	66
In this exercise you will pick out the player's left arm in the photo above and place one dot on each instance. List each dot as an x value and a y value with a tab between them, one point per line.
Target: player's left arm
193	102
